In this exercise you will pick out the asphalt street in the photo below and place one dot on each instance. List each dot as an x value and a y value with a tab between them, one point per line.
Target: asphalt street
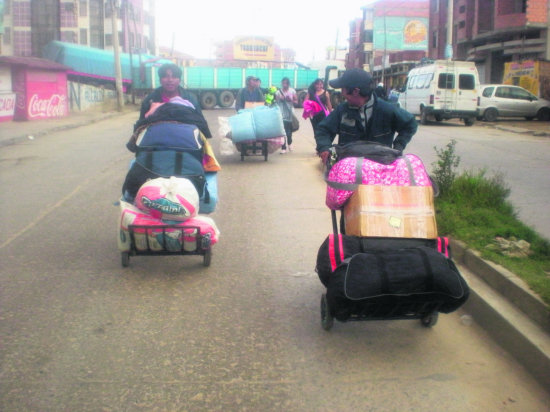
79	332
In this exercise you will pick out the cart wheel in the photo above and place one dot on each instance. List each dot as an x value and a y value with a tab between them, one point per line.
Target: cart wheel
207	258
430	320
326	318
125	259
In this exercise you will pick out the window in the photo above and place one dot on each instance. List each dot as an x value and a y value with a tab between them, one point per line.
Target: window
429	79
487	92
410	83
68	36
446	81
7	35
461	24
84	36
83	8
21	14
521	94
434	39
7	7
466	82
367	36
462	9
421	80
503	92
108	40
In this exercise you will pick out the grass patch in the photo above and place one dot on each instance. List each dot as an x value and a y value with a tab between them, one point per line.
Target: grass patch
473	207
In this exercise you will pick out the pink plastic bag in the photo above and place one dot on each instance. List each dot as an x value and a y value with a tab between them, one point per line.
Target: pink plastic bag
374	173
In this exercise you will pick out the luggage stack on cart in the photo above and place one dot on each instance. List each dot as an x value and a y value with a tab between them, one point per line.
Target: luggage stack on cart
256	131
384	259
169	189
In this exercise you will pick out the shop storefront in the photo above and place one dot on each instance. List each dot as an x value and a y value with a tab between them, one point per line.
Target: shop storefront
39	86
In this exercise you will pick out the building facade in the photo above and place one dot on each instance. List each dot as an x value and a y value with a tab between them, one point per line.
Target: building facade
492	33
390	38
28	25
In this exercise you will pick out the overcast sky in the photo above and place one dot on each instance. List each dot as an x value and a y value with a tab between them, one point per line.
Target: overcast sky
307	27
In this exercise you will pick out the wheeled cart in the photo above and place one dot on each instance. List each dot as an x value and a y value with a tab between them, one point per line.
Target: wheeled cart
254	148
163	240
423	301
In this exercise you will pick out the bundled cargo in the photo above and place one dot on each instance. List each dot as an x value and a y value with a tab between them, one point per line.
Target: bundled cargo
173	199
391	211
348	173
153	234
258	123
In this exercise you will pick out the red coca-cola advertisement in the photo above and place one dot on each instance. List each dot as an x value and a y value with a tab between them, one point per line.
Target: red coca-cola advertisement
41	94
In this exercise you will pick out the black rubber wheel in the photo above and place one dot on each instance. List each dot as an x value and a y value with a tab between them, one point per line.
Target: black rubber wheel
207	258
438	117
429	320
423	116
544	114
529	118
208	100
327	320
469	121
226	99
125	259
490	115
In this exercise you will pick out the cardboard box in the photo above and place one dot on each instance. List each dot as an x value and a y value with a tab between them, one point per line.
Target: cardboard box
391	211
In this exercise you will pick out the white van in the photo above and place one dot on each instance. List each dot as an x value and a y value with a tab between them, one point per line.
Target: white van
442	89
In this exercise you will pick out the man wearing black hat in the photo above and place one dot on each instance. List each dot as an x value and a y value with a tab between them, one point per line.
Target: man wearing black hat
251	93
363	116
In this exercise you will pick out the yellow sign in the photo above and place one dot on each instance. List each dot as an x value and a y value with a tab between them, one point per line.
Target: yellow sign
253	48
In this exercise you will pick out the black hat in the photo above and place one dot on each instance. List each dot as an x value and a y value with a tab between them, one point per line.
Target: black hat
351	79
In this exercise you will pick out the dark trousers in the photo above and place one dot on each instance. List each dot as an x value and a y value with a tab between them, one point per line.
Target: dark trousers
288	131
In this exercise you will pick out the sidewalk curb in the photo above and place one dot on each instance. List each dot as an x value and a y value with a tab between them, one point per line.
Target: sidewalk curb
514	289
503	306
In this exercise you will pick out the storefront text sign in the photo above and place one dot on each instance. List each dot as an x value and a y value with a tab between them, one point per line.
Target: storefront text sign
53	106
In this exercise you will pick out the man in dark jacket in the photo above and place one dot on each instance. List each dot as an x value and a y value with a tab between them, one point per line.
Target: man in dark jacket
170	78
363	117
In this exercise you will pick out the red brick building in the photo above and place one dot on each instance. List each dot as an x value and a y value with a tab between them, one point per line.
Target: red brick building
491	33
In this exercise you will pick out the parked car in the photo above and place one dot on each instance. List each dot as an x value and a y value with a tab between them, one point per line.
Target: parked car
504	100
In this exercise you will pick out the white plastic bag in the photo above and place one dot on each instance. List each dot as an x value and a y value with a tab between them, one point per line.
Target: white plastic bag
226	147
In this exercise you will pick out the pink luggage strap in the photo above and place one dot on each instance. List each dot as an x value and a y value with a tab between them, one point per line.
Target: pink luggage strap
359	175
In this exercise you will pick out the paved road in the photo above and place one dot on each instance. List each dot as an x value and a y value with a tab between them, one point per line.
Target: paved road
81	333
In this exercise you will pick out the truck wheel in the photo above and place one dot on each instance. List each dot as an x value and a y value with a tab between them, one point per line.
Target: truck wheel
226	99
469	121
301	97
490	115
208	100
423	116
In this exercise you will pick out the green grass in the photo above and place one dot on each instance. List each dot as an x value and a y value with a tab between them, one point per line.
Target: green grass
474	209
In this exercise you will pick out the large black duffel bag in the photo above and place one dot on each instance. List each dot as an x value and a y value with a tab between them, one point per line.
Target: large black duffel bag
418	273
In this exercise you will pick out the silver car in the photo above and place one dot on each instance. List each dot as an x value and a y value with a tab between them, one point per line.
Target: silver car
504	100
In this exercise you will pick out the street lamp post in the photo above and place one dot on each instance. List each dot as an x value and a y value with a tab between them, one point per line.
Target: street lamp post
116	50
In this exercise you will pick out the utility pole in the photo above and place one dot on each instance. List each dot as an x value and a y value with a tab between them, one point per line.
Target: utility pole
116	49
449	45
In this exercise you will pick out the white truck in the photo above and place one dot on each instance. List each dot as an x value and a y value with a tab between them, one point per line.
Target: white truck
442	89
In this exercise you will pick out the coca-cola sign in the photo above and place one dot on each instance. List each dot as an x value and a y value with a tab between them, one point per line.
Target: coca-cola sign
53	106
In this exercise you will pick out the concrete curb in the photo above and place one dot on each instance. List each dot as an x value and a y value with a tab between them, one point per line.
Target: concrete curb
502	304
